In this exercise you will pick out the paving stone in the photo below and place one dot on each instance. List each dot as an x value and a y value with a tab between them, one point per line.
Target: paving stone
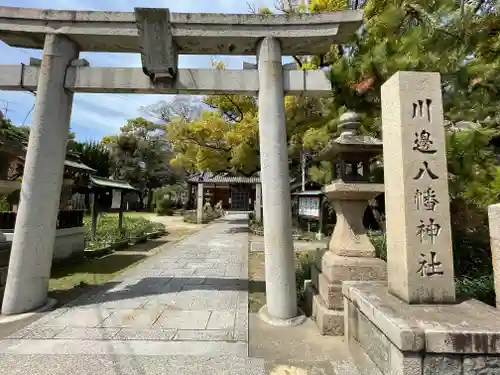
133	318
183	300
122	347
170	302
215	303
222	320
88	333
127	303
190	294
210	272
193	280
113	365
185	272
204	335
48	317
37	333
183	319
146	334
80	318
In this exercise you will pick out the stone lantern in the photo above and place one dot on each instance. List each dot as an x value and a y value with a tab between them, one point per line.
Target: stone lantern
351	255
351	189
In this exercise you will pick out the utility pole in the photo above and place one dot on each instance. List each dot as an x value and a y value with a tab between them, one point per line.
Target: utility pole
304	165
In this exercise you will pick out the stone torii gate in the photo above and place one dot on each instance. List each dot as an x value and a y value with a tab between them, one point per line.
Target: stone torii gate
160	37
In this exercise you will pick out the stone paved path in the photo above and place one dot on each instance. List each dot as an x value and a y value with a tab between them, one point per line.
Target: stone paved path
182	311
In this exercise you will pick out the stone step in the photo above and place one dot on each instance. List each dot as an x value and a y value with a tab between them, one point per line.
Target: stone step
84	364
122	347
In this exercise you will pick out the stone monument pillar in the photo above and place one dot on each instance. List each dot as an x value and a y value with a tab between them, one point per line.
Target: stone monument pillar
281	298
419	249
413	324
258	202
494	226
351	255
199	203
34	234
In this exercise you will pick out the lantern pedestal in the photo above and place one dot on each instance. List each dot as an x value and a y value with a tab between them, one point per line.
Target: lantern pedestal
351	255
350	238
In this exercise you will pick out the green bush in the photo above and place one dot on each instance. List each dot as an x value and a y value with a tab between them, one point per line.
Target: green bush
4	204
481	288
380	244
303	268
108	233
168	198
164	207
191	217
472	263
305	261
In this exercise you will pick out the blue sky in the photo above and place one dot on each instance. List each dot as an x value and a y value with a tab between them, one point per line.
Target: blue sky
97	115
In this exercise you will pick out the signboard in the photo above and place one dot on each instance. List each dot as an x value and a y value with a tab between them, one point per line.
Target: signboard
116	201
309	206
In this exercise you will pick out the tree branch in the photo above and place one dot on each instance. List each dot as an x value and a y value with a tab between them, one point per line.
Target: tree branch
235	117
479	5
298	61
206	145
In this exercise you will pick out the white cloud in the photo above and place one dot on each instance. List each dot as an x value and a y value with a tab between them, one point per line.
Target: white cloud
95	115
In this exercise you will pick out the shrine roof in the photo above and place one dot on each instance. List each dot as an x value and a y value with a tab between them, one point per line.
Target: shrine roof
308	192
76	165
222	178
103	182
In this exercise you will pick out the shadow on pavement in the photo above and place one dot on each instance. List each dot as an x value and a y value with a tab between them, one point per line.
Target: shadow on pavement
151	286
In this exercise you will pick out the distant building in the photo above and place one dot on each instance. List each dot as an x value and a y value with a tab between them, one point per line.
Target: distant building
235	192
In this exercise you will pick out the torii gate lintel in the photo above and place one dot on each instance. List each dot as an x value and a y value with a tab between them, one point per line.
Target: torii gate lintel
84	79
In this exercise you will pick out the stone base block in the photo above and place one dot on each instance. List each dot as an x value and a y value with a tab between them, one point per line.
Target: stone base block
398	338
331	294
328	275
329	322
277	322
338	269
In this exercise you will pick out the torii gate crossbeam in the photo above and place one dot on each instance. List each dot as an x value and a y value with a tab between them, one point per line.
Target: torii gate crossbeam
188	81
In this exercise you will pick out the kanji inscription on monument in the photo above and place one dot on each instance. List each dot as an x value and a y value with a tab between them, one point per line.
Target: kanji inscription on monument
425	199
429	265
419	248
423	143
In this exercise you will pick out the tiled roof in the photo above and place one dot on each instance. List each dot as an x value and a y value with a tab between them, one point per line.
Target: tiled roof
103	182
235	180
209	177
308	192
76	165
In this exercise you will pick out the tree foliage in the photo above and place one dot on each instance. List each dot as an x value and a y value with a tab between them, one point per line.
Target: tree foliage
223	137
138	152
414	35
93	154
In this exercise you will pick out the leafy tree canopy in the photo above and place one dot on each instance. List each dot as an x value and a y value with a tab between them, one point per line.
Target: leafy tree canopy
138	152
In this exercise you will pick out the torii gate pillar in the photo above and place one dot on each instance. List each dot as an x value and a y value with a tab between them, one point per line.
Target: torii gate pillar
33	243
281	297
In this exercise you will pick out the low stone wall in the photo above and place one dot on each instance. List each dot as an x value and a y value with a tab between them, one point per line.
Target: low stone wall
69	242
387	336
